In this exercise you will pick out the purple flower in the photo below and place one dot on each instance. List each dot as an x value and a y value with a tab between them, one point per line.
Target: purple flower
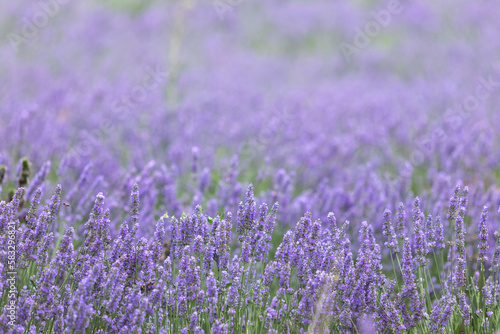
401	216
388	231
81	309
42	254
269	273
54	203
454	204
483	237
95	228
246	250
157	246
419	237
430	232
246	215
134	206
441	312
271	220
439	237
31	216
464	308
408	267
463	202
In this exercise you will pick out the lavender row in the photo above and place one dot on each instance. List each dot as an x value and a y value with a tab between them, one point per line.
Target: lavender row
201	274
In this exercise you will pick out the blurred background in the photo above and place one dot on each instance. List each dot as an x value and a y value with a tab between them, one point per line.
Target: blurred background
343	106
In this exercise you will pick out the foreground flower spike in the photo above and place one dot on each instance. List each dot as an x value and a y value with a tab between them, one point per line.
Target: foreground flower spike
332	223
454	204
460	236
464	308
134	206
483	237
430	232
460	273
246	215
463	202
33	210
271	220
65	252
407	269
419	236
417	213
14	205
400	227
439	229
392	243
55	202
157	245
441	312
94	226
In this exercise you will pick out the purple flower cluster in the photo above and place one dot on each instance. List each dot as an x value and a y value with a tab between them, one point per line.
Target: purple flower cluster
192	276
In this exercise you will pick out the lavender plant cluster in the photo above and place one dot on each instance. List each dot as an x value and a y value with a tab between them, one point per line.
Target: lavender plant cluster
191	278
194	101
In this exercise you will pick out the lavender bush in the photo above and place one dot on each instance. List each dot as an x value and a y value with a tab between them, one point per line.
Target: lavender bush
360	119
193	276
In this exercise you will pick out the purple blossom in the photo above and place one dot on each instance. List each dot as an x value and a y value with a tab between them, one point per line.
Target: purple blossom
483	237
439	237
392	243
401	216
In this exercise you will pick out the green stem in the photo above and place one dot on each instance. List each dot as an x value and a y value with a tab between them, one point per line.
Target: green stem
438	271
394	269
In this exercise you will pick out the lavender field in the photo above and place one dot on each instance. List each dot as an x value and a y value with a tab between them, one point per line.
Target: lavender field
234	166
